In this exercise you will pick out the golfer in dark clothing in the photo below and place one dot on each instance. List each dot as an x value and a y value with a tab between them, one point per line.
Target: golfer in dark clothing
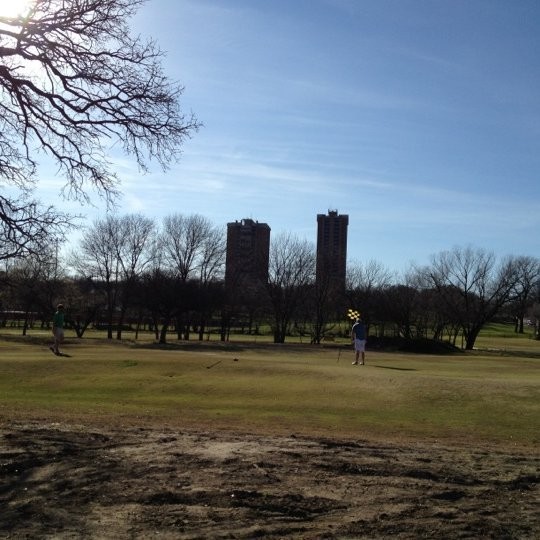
358	337
58	329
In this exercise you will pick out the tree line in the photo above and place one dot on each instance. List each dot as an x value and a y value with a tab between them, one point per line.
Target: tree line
131	272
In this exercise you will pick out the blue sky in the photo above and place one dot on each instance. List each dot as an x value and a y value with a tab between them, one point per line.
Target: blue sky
419	119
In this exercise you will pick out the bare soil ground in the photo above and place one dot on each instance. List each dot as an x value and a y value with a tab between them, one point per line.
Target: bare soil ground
72	481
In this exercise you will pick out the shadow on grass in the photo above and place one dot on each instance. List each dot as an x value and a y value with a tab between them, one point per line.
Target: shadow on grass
195	345
65	355
396	368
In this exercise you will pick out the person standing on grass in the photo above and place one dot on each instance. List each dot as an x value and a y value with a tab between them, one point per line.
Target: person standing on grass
358	337
58	329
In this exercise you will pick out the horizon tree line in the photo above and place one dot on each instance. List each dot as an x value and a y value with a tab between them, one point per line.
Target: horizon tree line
128	269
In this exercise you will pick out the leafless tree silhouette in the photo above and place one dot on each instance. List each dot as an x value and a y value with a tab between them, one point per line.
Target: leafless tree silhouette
73	83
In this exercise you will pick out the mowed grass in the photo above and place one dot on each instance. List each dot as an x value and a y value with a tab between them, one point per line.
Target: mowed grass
480	398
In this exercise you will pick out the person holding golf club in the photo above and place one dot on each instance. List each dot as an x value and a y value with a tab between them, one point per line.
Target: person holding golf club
358	337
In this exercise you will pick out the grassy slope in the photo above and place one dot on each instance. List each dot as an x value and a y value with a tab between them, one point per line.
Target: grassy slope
481	398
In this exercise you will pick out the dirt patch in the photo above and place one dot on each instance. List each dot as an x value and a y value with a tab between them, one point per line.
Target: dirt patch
67	481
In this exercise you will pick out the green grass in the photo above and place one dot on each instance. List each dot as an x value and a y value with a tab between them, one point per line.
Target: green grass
488	398
503	338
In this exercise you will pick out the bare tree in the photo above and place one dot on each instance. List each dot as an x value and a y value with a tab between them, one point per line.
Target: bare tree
113	254
133	237
365	283
527	283
397	307
191	248
472	286
535	312
73	82
28	227
325	300
84	304
186	242
291	272
97	260
35	282
212	256
210	292
159	294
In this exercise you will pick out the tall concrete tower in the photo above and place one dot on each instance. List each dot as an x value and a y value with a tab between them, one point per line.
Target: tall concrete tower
248	253
332	248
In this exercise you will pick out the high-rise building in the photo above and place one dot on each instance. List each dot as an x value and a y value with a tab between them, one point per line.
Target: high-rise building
332	248
248	254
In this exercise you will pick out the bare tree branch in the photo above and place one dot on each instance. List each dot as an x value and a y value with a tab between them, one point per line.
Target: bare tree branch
73	83
26	227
